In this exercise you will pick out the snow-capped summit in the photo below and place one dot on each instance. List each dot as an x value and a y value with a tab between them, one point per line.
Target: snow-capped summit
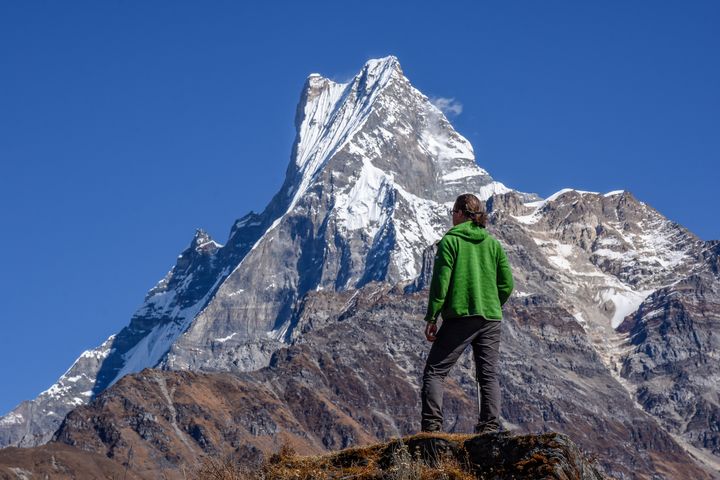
329	113
203	242
373	170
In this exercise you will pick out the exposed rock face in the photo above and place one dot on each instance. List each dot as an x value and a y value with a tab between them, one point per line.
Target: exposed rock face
545	456
672	362
34	422
611	256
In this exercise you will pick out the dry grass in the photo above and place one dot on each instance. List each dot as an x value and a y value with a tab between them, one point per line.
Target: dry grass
213	468
390	461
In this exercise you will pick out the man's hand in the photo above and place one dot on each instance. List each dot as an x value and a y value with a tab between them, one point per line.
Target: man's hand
431	332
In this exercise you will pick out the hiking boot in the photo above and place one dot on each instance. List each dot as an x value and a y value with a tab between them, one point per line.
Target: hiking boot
482	428
431	429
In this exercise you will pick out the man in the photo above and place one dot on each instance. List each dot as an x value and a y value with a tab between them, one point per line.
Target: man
471	281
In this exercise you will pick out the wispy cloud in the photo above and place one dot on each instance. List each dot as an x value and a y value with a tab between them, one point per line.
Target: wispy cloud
449	106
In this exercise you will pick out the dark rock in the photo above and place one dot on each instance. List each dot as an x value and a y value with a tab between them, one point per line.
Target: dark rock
551	455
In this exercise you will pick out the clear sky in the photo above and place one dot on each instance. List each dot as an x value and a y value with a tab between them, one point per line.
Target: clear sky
124	126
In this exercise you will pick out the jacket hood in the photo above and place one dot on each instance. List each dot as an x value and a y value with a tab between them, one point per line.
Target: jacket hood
469	231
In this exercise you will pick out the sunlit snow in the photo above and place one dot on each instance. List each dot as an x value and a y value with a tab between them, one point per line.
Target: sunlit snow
11	419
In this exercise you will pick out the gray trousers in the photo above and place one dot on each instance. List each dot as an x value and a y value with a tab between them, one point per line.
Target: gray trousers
453	337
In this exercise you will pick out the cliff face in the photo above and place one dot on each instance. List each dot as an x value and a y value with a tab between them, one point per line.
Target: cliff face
672	360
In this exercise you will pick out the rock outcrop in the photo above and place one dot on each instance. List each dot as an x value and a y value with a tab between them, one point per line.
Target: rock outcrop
497	456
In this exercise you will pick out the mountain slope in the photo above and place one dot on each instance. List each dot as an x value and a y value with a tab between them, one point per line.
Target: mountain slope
352	377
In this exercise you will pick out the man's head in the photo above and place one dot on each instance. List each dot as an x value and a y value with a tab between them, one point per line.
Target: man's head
468	207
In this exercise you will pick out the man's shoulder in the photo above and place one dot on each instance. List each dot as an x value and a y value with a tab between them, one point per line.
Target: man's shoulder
446	241
490	238
494	244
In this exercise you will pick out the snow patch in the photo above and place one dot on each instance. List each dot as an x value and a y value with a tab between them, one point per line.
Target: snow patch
492	188
558	253
559	262
609	241
362	207
365	207
528	219
541	203
626	302
98	353
612	254
209	242
225	339
563	191
12	418
462	173
279	333
148	351
448	150
581	320
426	229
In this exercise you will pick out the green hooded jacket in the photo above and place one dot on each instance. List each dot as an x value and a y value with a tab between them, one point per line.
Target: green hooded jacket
471	275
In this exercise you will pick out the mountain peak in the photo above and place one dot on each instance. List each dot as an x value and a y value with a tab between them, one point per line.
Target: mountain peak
203	242
373	68
379	69
330	114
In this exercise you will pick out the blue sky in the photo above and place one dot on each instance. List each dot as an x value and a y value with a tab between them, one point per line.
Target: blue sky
124	126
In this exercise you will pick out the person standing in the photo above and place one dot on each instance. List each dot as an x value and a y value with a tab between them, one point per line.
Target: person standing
471	280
